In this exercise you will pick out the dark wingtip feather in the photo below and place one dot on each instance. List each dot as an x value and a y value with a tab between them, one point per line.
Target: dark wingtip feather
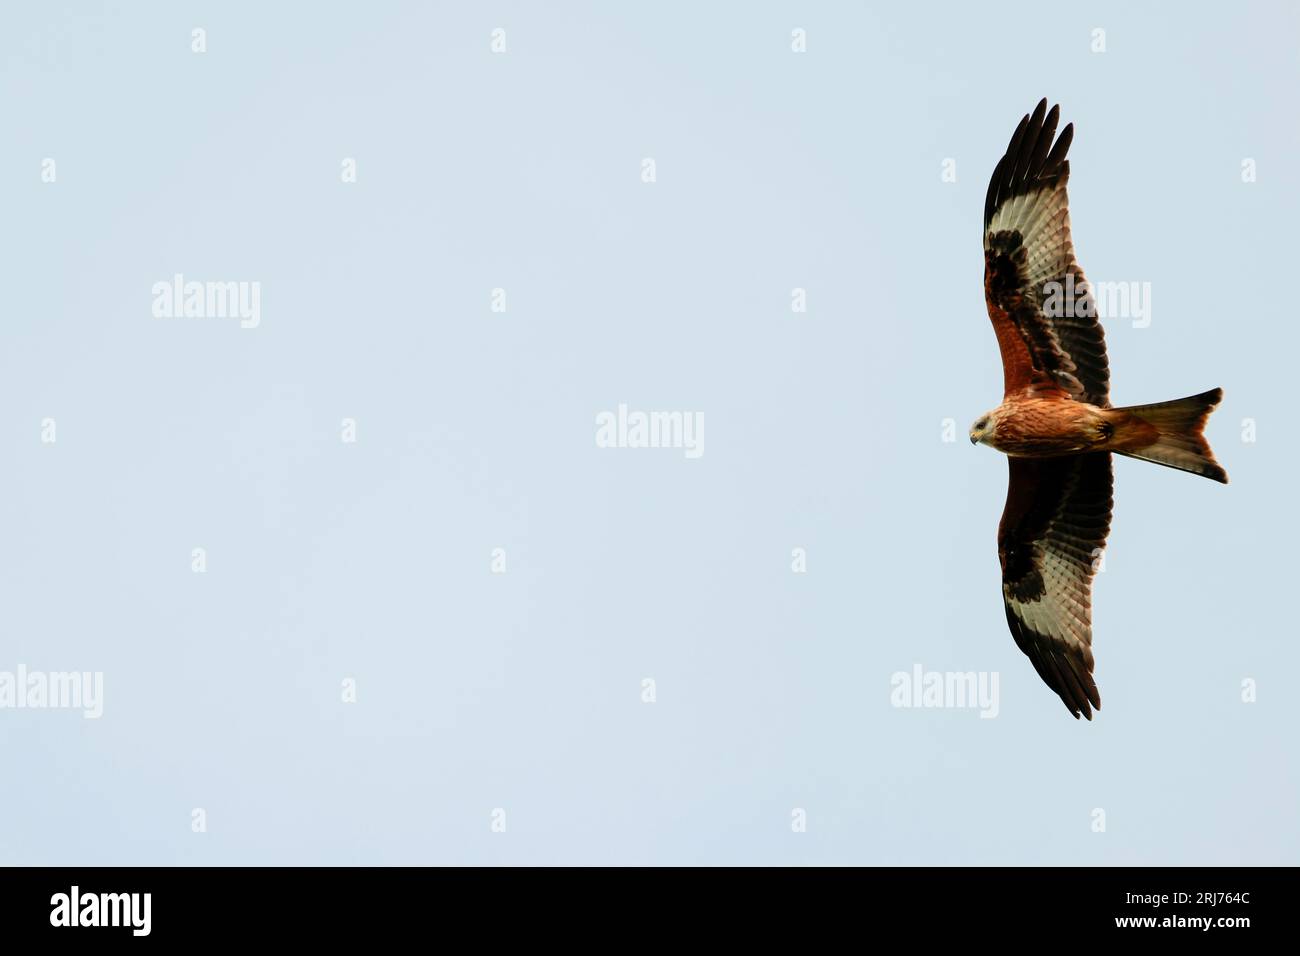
1072	684
1031	159
1029	144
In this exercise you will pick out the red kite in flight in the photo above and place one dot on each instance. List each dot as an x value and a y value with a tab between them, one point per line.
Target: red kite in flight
1056	424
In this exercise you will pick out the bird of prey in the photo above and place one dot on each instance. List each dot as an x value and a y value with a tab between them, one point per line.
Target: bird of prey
1056	424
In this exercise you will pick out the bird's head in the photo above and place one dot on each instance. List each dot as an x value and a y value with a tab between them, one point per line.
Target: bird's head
983	428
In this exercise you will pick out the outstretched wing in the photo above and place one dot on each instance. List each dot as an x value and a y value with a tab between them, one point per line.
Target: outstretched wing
1049	334
1053	529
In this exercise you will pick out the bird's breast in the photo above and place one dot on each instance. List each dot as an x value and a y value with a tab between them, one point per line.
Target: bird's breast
1043	428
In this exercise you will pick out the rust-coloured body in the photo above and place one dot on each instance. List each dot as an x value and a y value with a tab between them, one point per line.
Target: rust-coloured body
1046	425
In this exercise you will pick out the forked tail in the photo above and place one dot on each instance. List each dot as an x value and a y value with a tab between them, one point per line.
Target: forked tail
1170	433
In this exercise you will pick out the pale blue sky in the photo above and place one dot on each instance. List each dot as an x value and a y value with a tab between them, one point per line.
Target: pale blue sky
371	560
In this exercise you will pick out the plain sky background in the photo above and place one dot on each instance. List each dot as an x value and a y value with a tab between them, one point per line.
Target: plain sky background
522	690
